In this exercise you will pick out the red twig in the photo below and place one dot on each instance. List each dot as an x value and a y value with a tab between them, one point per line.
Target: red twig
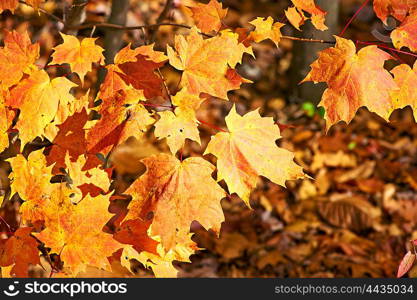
386	47
397	57
211	126
353	17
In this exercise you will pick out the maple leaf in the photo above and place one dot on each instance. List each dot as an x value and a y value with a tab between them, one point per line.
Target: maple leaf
116	125
65	110
406	34
33	170
83	182
69	139
208	17
249	150
80	56
205	63
396	8
177	126
186	101
297	17
353	80
133	72
161	261
177	193
17	57
21	250
38	99
134	232
405	77
8	5
74	231
266	29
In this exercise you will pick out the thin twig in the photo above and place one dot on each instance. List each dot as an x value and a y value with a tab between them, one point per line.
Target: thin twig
56	18
292	38
161	17
156	25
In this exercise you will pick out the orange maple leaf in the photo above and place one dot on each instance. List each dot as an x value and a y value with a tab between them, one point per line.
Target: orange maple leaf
266	29
133	72
21	249
69	139
177	193
248	150
206	63
17	57
353	80
396	8
116	125
80	56
134	232
208	17
74	231
38	99
296	14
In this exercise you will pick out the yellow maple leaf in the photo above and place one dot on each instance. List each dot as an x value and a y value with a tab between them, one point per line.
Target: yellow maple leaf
248	150
206	64
161	262
296	14
177	193
353	80
405	77
266	29
186	100
79	55
32	170
38	99
65	110
176	127
94	178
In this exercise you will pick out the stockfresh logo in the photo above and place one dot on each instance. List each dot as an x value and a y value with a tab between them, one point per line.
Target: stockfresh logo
69	288
12	290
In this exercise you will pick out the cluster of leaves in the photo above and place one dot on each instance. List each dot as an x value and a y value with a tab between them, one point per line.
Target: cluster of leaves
66	188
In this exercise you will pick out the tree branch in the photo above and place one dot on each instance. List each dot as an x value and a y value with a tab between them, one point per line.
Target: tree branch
162	17
75	17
